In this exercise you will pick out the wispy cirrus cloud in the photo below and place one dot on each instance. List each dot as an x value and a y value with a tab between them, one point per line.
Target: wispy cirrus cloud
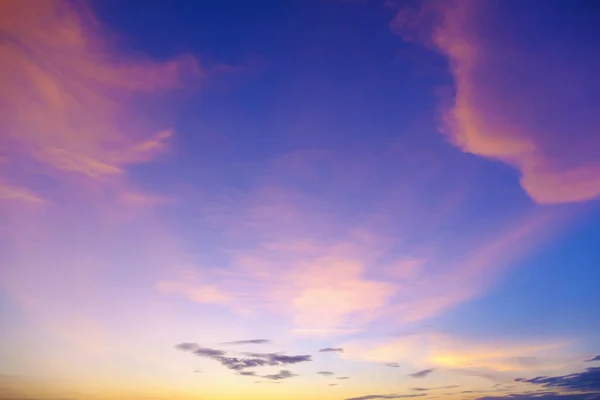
443	352
498	76
68	102
75	116
279	225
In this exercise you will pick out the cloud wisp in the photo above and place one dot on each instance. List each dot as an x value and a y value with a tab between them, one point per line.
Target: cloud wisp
238	363
422	373
283	374
250	341
331	350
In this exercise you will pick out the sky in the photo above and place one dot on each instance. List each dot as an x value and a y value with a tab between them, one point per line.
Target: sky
325	199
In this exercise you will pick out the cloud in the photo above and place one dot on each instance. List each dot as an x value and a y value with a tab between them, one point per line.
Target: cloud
385	396
19	194
206	294
187	346
238	363
206	352
68	102
331	350
421	374
589	380
393	365
251	341
325	373
497	77
333	384
283	374
343	377
597	358
247	373
440	351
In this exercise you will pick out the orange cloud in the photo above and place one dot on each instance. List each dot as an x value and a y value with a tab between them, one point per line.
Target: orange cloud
515	100
434	350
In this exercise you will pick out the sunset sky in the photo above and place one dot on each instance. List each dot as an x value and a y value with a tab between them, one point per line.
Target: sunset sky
299	199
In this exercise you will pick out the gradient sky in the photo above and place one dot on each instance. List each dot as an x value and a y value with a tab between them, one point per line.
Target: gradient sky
333	199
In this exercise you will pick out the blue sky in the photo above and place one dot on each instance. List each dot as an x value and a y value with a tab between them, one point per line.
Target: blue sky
231	187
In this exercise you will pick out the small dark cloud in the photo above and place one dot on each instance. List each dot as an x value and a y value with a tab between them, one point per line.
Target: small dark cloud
393	364
421	374
239	363
279	359
385	396
283	374
251	341
418	389
588	380
197	371
333	384
247	373
206	352
257	382
597	358
187	346
331	350
325	373
343	378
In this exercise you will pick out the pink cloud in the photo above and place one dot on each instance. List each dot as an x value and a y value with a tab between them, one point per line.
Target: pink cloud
516	101
68	101
300	258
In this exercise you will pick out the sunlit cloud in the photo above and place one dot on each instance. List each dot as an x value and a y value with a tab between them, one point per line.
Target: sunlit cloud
76	115
281	258
447	353
498	77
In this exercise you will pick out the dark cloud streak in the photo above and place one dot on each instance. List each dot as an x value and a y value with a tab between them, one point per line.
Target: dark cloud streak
421	374
331	350
251	341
